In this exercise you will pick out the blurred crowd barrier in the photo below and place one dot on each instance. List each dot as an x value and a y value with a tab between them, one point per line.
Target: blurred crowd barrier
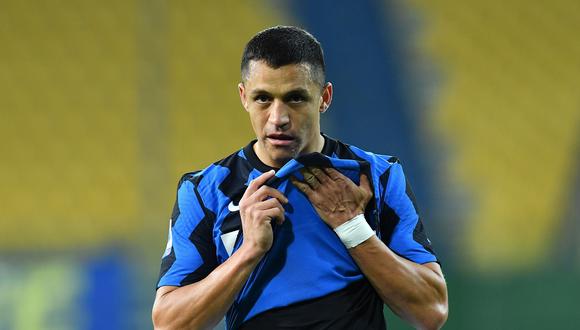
103	105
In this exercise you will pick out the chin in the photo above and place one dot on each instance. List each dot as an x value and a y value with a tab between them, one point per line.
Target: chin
281	156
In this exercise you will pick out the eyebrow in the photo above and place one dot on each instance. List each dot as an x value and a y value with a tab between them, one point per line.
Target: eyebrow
259	91
298	90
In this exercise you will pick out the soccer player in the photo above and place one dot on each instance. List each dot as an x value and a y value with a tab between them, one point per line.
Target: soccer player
296	230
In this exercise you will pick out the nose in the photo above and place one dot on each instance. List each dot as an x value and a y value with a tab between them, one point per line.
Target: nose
279	116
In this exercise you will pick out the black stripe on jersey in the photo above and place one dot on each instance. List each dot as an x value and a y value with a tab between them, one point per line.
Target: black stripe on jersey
419	234
186	177
343	151
390	219
233	186
201	237
356	307
166	263
253	158
330	145
393	160
176	210
169	259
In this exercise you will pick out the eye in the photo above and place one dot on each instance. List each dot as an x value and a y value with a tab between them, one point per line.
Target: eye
296	98
262	98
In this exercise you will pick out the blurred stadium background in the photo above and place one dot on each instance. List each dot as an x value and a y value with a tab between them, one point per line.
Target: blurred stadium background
103	104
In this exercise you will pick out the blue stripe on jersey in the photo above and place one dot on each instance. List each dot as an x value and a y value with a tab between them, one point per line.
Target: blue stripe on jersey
215	199
402	241
379	165
254	174
186	254
241	154
208	187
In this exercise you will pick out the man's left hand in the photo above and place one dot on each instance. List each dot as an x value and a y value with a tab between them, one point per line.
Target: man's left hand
334	196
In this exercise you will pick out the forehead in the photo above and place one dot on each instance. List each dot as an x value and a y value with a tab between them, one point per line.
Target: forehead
261	76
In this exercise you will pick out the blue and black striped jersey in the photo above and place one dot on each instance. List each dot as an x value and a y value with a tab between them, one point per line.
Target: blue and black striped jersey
307	261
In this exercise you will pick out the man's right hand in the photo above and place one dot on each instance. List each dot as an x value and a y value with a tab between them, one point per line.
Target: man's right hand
260	205
202	304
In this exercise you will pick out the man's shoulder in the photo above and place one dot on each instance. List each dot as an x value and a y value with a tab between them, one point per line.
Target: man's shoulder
214	174
380	164
345	150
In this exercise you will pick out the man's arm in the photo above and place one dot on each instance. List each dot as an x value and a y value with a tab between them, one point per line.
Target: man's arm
417	293
202	304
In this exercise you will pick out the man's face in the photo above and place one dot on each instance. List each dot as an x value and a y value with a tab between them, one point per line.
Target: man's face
284	106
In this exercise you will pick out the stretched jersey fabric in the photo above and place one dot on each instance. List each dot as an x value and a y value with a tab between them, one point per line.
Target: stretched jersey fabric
308	265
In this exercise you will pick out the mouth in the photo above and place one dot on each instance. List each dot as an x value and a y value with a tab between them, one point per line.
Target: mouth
281	140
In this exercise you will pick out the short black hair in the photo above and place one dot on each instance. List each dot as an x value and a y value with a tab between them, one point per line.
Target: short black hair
283	45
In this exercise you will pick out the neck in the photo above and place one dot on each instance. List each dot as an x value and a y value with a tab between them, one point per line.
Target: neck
320	143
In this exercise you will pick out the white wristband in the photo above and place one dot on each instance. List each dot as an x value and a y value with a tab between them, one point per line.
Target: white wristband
354	231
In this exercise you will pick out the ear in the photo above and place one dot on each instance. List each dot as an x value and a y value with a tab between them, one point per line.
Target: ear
243	98
326	97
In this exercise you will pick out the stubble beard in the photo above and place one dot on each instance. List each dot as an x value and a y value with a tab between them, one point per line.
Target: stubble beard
281	155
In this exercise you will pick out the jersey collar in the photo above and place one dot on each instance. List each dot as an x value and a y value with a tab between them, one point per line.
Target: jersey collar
328	149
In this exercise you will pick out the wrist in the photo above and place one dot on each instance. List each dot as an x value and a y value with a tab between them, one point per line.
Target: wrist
341	219
354	231
251	251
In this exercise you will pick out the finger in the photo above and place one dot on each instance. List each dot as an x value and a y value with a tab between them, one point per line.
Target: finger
266	210
320	175
273	214
281	214
269	204
272	204
264	192
365	184
333	174
310	178
257	183
305	188
280	220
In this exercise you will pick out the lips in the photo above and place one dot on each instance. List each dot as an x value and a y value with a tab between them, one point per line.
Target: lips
280	139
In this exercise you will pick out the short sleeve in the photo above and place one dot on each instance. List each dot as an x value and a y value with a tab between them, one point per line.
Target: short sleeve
190	252
401	228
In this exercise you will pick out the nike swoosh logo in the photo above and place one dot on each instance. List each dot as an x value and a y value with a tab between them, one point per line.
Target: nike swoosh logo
232	207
